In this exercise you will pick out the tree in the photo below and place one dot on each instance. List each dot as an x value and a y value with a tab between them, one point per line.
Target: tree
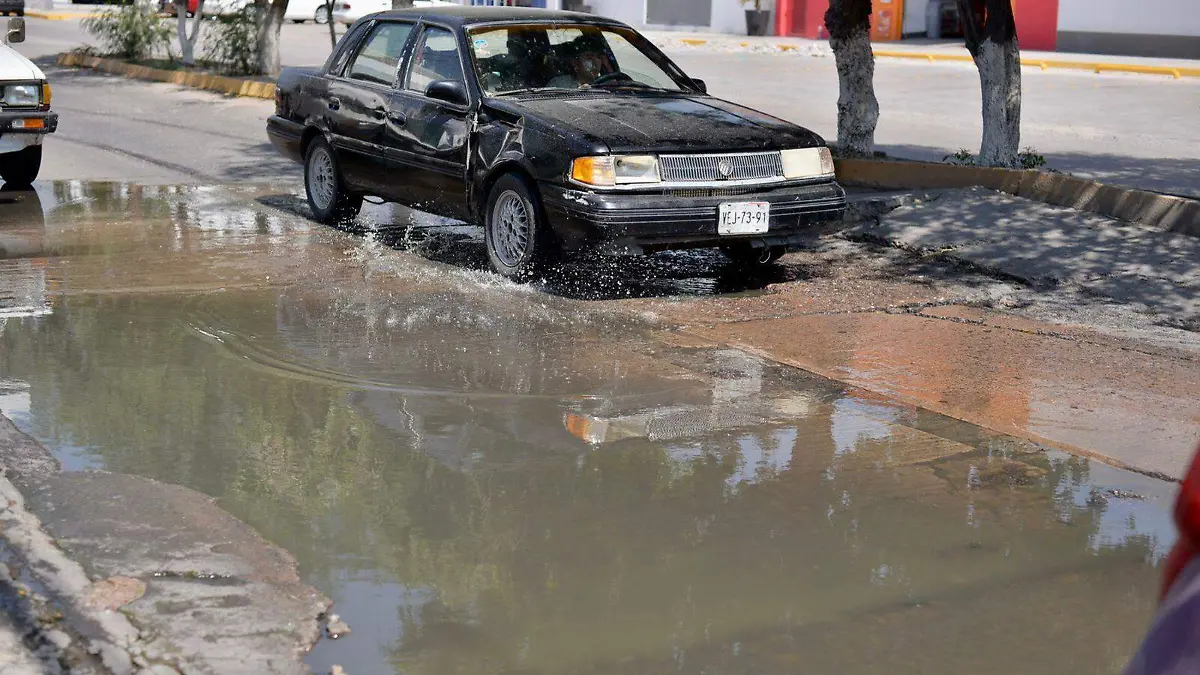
270	20
329	21
187	44
991	37
849	26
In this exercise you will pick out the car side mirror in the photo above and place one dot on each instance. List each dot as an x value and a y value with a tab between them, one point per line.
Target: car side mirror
16	30
699	84
448	91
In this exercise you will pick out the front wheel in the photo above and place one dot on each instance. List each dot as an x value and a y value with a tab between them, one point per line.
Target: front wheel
519	241
321	16
19	169
745	255
327	195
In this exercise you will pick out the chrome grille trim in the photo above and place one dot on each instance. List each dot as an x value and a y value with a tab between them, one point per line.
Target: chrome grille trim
707	168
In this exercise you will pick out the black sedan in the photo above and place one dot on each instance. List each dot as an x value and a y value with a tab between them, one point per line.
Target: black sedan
557	131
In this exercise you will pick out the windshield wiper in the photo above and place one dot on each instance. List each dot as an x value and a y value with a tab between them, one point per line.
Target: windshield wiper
532	90
628	84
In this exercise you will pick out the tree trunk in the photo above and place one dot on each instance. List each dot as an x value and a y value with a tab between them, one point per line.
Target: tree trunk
332	32
849	26
991	37
270	20
187	44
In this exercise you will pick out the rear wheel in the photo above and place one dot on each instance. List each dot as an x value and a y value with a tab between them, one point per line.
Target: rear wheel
745	255
19	169
519	241
328	198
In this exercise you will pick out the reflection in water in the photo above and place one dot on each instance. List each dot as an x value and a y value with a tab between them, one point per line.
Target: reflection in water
488	479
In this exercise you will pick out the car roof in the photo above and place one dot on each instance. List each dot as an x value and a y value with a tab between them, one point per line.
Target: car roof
466	15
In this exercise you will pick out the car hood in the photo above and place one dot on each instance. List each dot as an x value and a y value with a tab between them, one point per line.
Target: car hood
13	66
638	122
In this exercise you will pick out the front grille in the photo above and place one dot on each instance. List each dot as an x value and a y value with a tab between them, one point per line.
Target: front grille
700	168
701	193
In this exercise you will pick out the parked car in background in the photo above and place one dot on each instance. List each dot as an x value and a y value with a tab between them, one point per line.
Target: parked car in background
556	131
25	116
299	11
169	7
349	11
13	7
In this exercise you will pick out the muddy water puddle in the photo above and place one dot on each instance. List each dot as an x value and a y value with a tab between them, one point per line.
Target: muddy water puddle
490	478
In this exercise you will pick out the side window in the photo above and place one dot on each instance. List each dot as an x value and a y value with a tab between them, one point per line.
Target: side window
379	59
345	49
435	58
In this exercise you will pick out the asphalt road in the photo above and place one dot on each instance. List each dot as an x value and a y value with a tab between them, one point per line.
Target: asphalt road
1127	129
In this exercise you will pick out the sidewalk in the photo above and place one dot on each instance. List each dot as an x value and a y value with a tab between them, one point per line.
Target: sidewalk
923	48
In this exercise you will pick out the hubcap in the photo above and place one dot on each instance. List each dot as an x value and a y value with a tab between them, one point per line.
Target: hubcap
321	179
510	228
322	15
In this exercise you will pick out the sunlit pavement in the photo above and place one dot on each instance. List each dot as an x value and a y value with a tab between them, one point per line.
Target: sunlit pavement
616	468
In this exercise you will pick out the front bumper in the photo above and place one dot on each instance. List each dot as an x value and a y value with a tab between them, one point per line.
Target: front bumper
8	117
643	222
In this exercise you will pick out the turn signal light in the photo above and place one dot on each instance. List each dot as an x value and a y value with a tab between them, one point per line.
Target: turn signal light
29	123
46	94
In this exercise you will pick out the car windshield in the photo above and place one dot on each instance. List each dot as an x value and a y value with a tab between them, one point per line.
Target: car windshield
555	56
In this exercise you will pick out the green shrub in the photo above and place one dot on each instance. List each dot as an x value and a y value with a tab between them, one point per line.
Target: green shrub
133	31
231	44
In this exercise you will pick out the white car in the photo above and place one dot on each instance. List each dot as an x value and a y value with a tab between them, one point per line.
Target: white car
349	11
25	116
299	11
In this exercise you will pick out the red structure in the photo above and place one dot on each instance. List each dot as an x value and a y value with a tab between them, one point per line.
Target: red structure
801	18
1037	20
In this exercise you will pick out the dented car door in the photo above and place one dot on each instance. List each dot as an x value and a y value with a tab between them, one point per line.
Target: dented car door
427	138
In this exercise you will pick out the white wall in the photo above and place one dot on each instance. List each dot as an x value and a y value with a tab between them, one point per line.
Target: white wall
1153	17
632	12
728	16
914	16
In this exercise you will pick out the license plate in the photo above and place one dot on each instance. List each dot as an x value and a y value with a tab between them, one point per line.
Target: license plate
744	218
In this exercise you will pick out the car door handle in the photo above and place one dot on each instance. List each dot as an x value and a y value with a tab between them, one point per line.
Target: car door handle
397	118
335	103
379	112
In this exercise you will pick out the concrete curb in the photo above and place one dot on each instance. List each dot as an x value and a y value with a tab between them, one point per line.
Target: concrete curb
232	86
1163	212
58	16
935	57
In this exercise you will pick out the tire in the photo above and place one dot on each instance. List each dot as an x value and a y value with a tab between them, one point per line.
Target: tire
19	169
519	241
745	255
327	196
321	16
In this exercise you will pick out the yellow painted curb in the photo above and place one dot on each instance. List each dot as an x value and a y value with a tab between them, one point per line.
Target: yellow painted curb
233	86
1164	212
1044	64
57	16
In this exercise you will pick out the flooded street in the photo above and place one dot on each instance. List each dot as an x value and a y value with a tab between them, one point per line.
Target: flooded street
544	479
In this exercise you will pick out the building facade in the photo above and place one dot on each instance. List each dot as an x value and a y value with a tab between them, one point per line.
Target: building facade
1163	28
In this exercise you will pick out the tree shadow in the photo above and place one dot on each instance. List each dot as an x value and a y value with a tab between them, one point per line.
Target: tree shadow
1046	246
1167	175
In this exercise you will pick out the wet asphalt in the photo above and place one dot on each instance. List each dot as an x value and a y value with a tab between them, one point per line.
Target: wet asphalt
487	477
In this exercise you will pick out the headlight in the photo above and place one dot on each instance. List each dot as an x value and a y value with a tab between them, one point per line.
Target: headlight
807	163
22	94
611	171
